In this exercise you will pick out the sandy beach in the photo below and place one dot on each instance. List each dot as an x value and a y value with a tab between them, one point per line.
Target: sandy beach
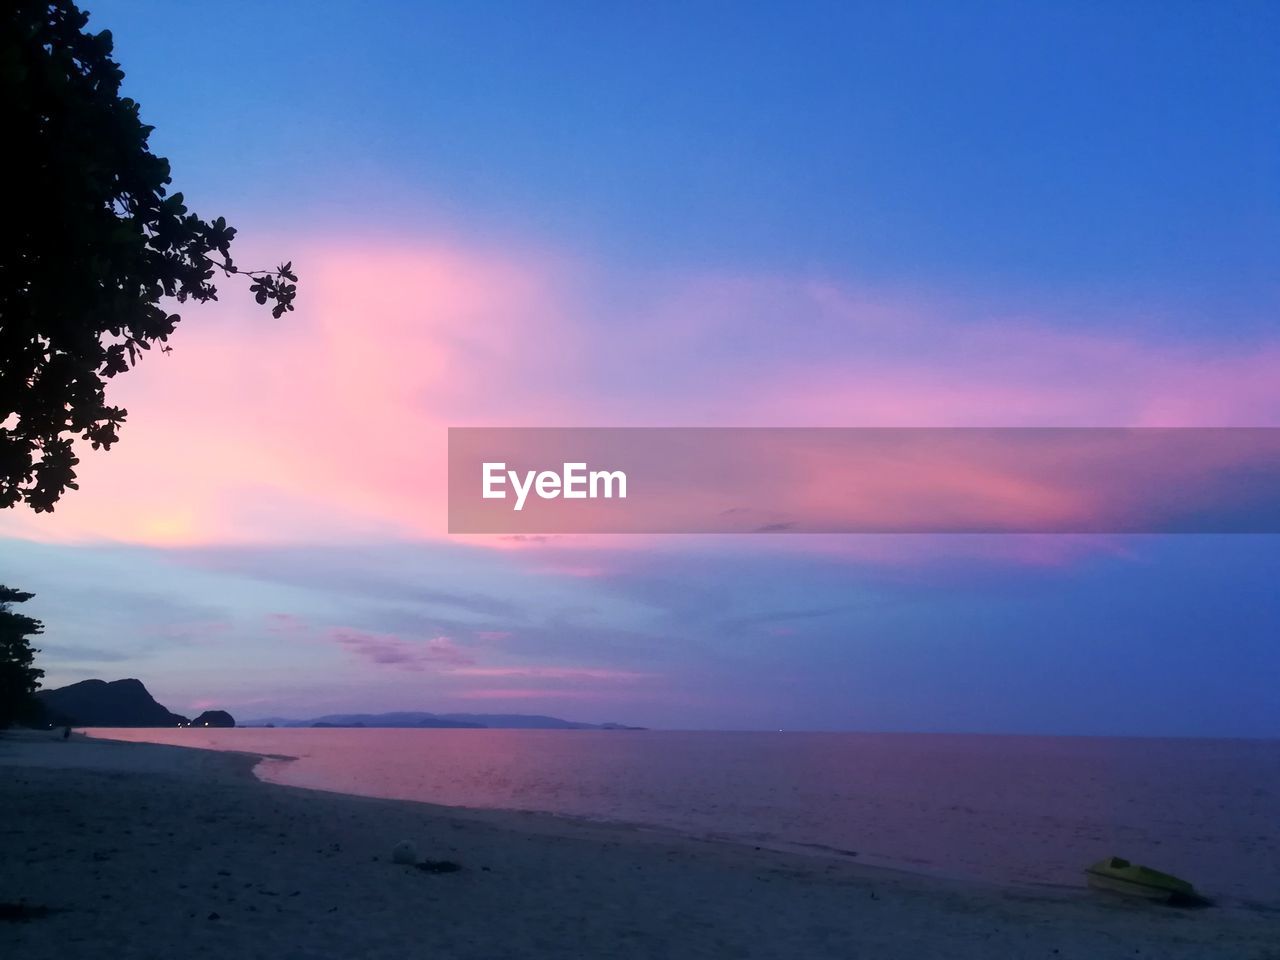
140	850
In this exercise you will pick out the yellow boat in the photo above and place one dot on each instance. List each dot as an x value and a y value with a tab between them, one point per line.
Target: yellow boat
1118	875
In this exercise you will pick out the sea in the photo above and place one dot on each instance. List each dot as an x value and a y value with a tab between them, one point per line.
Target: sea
1023	810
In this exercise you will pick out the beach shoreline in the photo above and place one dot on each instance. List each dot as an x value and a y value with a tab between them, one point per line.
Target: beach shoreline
143	850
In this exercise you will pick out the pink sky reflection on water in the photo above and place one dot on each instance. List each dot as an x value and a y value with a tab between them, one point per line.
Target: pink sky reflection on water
999	808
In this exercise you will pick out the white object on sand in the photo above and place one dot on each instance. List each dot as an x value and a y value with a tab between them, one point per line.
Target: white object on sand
404	853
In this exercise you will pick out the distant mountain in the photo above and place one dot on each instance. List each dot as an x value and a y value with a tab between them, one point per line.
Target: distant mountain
509	721
377	720
126	703
97	703
524	721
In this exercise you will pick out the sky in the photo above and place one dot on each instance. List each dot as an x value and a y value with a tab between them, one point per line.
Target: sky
569	214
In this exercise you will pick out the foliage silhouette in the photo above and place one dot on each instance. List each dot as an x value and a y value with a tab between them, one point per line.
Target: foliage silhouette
93	245
18	678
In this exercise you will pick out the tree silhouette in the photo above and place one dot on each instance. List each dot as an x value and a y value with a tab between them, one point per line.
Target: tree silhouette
18	678
93	244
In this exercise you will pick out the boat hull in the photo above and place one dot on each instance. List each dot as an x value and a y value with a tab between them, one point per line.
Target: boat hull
1132	889
1116	875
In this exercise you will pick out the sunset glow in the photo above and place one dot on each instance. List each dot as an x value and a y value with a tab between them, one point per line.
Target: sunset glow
525	258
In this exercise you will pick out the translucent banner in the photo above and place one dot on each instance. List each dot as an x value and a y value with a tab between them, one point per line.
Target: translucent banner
862	480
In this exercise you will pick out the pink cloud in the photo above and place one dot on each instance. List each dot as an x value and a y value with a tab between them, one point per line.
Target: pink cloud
932	372
553	673
387	649
327	424
521	693
330	424
921	480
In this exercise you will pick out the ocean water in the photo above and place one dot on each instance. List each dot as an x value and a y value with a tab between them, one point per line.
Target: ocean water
1024	810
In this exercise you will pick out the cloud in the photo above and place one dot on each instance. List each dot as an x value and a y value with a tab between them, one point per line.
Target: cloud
330	420
553	673
528	693
329	425
391	650
369	573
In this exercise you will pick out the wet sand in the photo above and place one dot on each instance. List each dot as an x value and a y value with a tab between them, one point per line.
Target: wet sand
129	850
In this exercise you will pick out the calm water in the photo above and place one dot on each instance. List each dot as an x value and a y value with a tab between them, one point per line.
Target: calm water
1020	809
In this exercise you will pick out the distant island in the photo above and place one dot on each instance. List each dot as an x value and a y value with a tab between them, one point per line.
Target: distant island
128	703
118	703
461	721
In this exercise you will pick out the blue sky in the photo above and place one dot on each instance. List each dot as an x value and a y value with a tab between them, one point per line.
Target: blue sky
1086	149
817	214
